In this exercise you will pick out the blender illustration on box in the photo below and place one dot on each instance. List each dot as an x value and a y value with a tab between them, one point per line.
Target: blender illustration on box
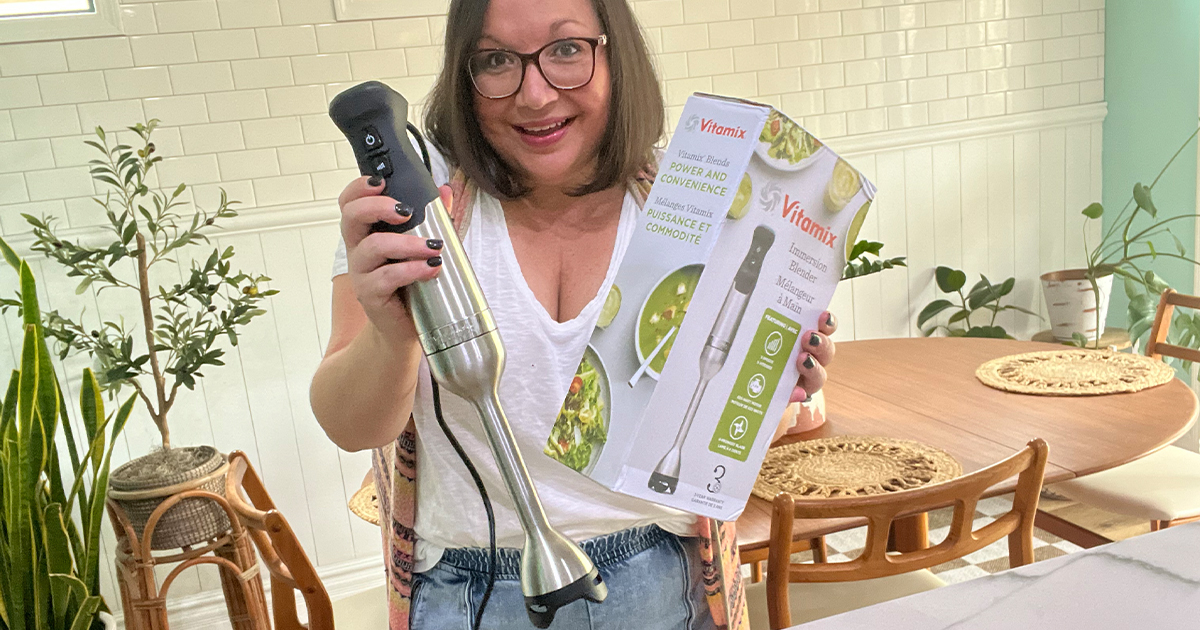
739	247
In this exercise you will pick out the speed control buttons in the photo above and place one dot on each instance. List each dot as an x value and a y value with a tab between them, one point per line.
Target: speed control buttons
371	140
378	162
381	165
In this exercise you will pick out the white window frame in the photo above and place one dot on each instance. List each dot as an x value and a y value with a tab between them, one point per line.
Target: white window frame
105	20
346	10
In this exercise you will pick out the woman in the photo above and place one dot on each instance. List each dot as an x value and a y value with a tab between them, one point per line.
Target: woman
543	148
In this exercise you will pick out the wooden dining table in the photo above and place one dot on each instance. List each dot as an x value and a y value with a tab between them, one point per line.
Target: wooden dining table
925	389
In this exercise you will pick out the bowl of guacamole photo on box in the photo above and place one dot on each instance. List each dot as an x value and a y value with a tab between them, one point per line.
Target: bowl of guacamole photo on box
581	429
662	312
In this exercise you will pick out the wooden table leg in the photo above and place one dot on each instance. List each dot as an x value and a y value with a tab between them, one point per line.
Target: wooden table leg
820	552
910	533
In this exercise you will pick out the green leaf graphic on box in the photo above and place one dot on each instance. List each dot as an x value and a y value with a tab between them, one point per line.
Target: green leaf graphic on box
755	385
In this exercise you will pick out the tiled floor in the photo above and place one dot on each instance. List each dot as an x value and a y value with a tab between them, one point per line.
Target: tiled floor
846	545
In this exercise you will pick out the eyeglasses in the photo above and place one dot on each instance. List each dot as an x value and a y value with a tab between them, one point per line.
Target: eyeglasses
566	64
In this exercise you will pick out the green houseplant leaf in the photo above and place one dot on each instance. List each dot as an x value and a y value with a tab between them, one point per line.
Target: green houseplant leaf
988	332
1141	195
949	280
931	310
1093	211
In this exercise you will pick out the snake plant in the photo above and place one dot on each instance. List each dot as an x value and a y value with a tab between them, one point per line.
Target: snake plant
49	551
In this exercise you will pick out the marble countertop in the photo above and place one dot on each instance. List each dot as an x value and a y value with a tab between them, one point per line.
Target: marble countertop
1147	581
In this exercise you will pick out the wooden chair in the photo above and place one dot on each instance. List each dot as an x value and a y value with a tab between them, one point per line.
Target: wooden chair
287	563
1163	487
796	593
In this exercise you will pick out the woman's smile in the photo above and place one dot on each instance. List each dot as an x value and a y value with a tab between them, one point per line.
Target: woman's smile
545	132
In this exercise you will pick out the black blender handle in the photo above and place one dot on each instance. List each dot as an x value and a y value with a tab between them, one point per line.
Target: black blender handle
374	117
747	275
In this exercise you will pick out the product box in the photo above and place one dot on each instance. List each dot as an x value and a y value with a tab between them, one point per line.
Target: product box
738	249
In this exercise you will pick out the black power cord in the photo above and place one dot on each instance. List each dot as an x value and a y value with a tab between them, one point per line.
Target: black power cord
487	503
462	454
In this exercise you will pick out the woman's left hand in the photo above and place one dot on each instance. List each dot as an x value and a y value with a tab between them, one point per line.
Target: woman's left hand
816	352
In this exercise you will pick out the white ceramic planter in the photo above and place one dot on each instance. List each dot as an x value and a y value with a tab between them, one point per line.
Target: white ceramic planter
809	415
1072	304
108	621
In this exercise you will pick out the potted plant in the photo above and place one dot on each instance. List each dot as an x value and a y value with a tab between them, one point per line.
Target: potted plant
1077	299
984	300
181	324
50	554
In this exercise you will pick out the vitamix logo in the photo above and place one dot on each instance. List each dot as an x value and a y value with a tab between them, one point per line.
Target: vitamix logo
711	126
773	199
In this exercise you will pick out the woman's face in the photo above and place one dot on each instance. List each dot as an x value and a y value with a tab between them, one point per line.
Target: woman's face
552	134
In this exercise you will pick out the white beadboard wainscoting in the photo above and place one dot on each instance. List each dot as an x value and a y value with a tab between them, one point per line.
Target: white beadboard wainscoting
1000	196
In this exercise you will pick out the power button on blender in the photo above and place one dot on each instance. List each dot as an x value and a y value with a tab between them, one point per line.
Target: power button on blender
371	140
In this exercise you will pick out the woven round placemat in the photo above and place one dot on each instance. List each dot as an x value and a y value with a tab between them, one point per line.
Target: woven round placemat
365	504
1074	373
846	466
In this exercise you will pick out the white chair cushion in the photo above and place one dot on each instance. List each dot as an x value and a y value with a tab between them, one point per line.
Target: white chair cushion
1162	486
810	602
367	610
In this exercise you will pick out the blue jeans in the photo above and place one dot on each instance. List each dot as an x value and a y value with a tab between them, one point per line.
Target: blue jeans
653	577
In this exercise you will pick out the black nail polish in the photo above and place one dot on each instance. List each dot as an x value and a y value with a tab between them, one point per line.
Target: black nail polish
809	363
436	261
375	181
403	210
829	320
434	243
815	339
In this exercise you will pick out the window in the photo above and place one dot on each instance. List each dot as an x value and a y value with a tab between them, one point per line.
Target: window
14	8
37	20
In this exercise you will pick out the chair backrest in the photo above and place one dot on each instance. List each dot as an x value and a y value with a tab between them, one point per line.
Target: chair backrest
881	510
1157	346
279	549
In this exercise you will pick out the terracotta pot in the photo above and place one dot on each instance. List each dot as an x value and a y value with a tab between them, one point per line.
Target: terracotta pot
1072	303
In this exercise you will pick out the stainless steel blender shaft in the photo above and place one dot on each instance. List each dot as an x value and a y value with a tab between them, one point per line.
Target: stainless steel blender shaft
460	340
466	357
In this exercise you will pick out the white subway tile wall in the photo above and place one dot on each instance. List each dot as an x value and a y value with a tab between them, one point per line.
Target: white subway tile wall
841	67
241	88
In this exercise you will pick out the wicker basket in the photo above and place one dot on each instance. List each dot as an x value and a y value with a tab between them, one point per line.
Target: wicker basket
189	522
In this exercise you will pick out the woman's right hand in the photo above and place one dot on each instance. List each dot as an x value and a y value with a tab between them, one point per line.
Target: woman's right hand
380	263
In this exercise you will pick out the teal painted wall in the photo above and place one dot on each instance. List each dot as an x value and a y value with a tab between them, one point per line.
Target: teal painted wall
1152	85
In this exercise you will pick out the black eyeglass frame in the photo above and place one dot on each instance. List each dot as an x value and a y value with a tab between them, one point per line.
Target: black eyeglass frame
534	58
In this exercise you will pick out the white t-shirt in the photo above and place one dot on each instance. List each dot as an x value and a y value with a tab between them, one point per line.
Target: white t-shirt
543	355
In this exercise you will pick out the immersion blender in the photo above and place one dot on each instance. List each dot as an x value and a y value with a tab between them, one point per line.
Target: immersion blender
665	477
460	339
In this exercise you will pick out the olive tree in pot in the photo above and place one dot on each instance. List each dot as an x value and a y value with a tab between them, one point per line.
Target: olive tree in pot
180	329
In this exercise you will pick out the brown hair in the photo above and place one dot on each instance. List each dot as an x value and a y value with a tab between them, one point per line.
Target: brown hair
635	111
